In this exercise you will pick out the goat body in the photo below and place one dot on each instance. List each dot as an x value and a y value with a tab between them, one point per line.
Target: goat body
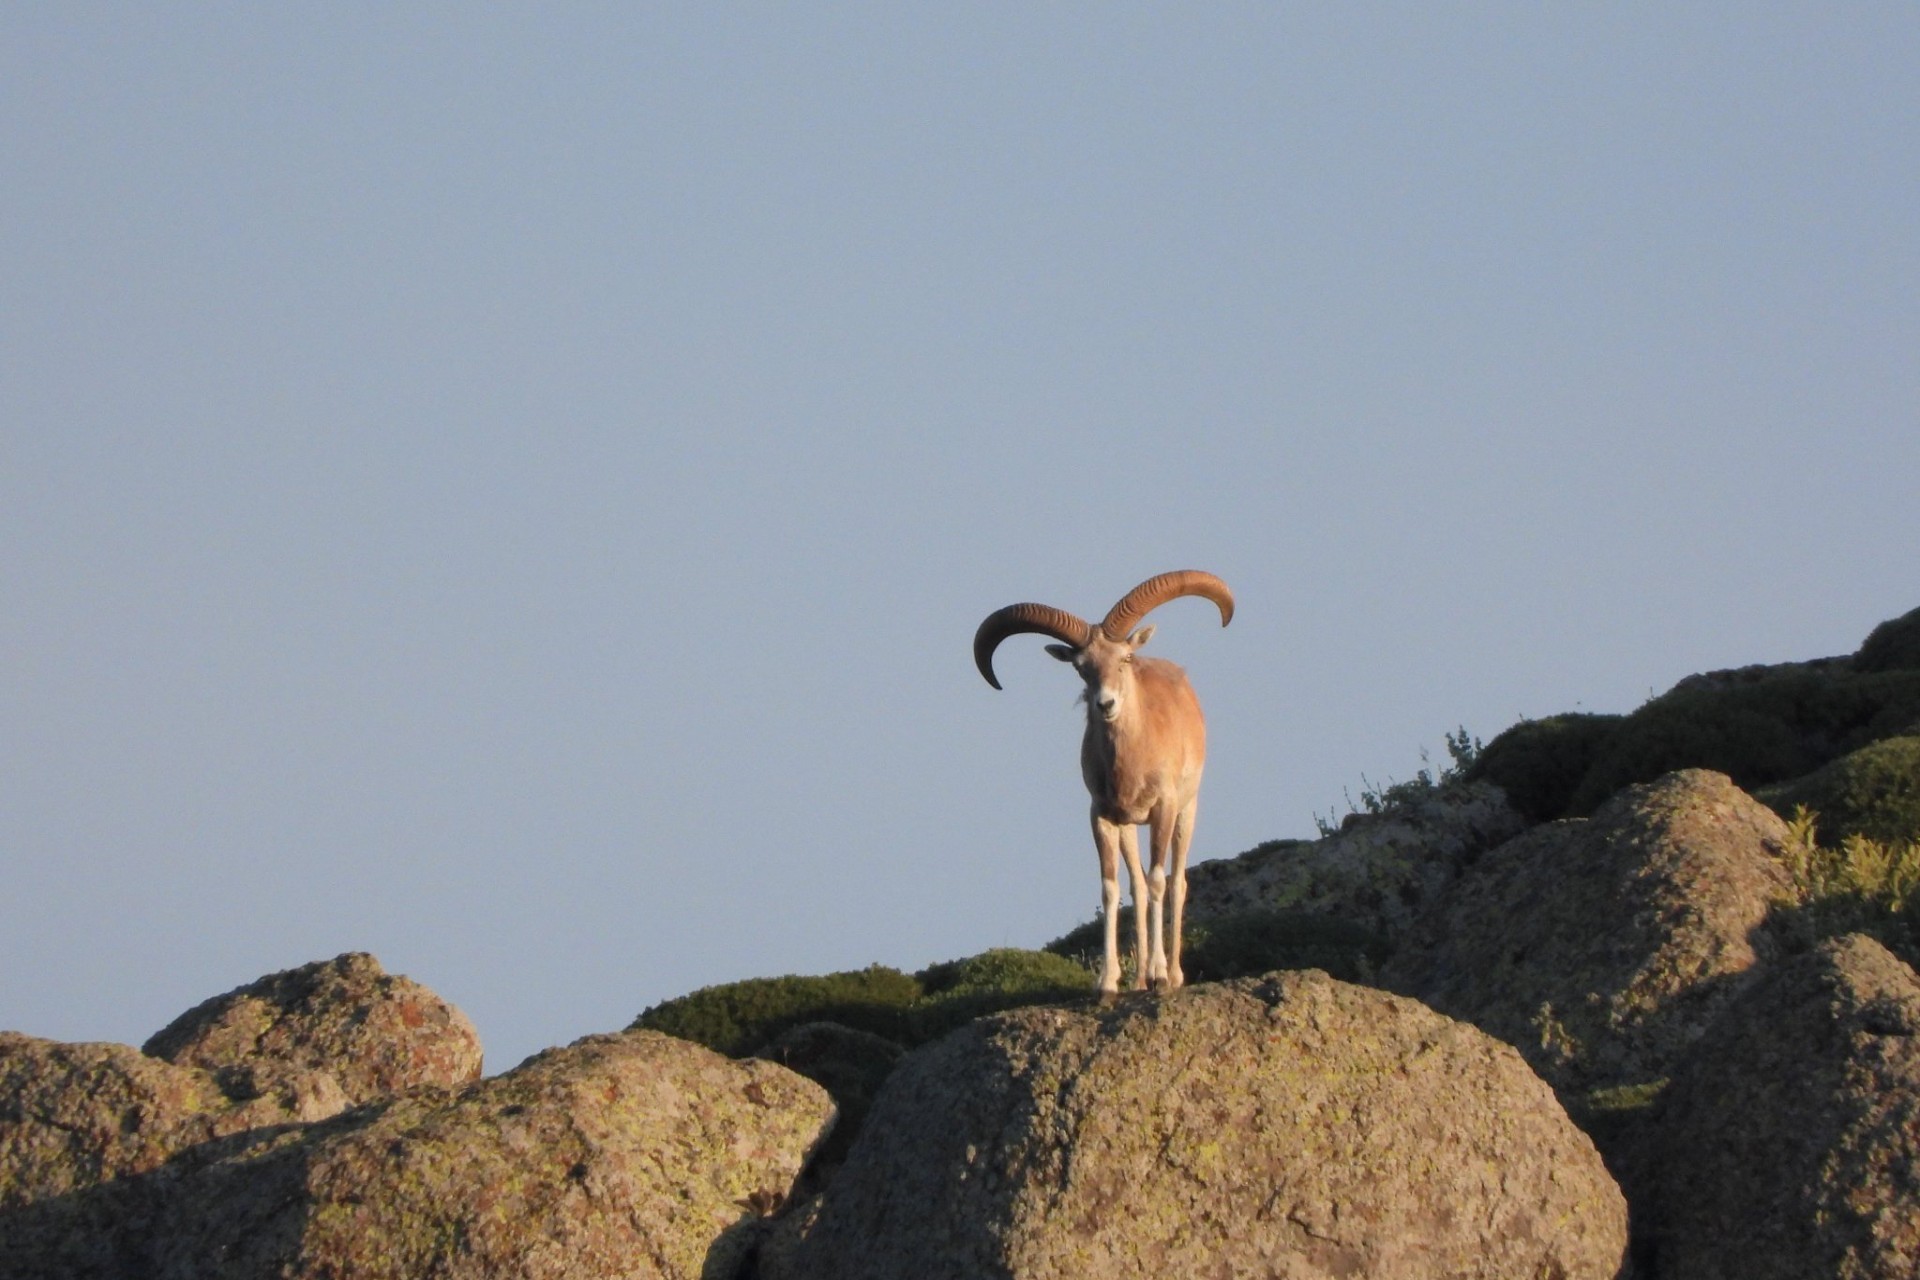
1142	757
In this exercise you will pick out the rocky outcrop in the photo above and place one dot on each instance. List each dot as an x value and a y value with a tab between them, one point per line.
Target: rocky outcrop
1791	1142
1286	1125
1603	947
377	1033
633	1154
75	1115
1379	871
83	1124
850	1065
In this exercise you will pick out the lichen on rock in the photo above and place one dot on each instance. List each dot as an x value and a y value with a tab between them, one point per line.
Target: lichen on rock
1604	947
1284	1125
1791	1141
1379	871
377	1033
633	1154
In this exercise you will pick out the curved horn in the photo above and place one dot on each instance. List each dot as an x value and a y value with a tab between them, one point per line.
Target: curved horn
1018	618
1156	591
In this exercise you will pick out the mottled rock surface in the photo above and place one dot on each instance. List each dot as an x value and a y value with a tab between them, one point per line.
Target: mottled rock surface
850	1065
1603	947
1289	1125
377	1033
81	1125
631	1155
1378	871
72	1115
1792	1138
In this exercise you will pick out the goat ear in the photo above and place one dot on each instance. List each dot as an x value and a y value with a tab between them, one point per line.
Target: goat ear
1064	652
1140	637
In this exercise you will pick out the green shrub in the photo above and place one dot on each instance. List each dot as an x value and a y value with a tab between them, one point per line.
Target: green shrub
1462	748
1539	763
1873	792
1255	942
1860	886
1760	729
1692	729
958	991
1894	645
1083	942
736	1018
1004	971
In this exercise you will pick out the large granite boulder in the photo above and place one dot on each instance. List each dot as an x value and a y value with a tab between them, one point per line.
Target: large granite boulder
632	1155
75	1115
1602	948
1791	1141
1289	1125
377	1033
81	1123
1379	871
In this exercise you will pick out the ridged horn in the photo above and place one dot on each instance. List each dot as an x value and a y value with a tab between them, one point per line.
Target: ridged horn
1017	619
1156	591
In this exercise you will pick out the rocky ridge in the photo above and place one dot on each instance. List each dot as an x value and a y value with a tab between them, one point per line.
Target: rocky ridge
1602	974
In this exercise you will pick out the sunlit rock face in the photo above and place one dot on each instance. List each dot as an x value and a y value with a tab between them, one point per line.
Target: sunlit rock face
1284	1125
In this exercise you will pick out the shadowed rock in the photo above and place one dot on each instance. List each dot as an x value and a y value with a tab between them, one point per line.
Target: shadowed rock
631	1155
1603	947
1792	1138
1286	1125
82	1126
1378	871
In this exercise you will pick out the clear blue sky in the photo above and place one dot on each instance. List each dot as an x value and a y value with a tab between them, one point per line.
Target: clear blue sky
513	491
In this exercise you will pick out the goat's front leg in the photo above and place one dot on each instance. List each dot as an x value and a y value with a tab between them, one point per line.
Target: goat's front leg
1106	842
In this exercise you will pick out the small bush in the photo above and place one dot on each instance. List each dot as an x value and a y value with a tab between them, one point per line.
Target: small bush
1861	886
739	1018
1540	763
736	1018
1873	792
1002	971
1462	748
1772	725
958	991
1256	942
1083	942
1894	645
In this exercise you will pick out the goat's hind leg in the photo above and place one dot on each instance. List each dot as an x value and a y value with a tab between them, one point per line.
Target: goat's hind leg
1156	966
1182	838
1146	910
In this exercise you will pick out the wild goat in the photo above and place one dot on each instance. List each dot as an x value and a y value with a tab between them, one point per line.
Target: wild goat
1145	746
